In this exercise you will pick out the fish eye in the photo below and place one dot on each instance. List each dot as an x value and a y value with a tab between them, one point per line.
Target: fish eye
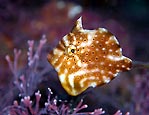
72	50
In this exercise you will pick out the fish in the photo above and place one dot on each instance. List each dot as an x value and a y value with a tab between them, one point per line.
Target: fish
87	58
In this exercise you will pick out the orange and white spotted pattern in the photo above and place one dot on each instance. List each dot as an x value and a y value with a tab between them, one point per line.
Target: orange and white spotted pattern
87	58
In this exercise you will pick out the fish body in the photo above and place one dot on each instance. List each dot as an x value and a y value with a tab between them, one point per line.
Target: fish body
87	58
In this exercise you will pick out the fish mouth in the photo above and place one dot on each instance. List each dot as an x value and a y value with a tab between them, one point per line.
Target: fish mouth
49	58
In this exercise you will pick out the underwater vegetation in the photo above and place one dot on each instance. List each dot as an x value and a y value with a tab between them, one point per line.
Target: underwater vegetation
29	85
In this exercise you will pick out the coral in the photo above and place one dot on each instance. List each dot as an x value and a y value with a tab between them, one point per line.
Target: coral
51	107
25	82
